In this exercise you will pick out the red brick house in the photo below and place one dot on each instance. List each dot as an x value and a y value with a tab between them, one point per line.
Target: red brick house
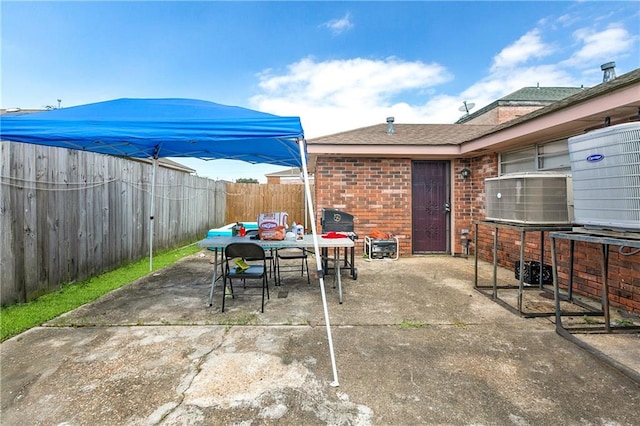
289	176
424	183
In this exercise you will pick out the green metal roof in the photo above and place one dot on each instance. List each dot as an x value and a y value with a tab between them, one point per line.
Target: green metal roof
541	94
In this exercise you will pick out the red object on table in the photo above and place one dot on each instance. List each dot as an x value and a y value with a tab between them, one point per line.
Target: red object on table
334	235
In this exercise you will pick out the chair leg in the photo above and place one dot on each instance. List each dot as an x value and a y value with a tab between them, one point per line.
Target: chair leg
265	285
224	292
277	271
304	263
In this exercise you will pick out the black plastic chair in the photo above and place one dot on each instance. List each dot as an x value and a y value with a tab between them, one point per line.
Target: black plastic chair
248	252
292	254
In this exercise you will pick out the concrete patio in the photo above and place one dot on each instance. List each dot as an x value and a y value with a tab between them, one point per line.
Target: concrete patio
414	344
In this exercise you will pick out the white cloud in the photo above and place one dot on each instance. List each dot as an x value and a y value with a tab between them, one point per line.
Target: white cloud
340	95
600	46
526	48
338	26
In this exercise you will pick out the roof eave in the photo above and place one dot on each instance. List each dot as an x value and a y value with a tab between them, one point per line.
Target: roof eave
558	124
397	151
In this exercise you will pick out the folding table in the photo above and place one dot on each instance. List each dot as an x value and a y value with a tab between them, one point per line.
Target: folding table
219	243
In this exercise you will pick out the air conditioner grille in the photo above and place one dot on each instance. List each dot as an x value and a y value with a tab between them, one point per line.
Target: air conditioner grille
529	198
605	165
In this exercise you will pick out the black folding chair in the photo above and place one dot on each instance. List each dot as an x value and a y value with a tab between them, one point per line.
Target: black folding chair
291	254
269	253
251	255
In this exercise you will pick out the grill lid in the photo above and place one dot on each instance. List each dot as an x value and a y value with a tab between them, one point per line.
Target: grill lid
336	221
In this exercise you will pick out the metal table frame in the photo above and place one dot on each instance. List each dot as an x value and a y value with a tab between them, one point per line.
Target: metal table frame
567	333
604	242
348	260
219	243
522	229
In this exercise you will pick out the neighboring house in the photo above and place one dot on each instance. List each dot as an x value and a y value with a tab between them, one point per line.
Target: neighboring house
167	164
517	104
406	179
292	175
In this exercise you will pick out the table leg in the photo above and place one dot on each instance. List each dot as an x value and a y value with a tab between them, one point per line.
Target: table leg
572	246
605	286
521	284
556	285
215	276
475	255
495	263
540	274
336	254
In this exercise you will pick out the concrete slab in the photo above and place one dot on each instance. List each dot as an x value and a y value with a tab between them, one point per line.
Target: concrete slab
414	344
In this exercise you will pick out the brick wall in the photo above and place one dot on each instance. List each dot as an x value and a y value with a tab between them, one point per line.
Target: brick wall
376	191
509	113
624	273
502	114
468	195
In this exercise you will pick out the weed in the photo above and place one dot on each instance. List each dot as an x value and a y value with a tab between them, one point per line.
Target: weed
242	319
412	324
588	320
459	324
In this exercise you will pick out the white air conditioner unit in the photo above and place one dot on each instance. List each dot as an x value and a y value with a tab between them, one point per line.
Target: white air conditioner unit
542	198
605	165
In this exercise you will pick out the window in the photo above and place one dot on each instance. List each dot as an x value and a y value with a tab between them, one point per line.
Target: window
554	156
549	156
518	161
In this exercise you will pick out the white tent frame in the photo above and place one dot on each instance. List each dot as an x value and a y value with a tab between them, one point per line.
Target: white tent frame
316	247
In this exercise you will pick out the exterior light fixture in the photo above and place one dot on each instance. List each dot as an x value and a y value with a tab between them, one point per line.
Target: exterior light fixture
465	173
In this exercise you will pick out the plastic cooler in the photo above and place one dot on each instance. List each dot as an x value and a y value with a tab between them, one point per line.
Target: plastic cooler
225	231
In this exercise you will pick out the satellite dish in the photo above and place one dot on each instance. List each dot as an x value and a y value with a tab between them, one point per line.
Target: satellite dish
466	107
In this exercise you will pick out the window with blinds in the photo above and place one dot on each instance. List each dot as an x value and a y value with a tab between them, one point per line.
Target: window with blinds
551	156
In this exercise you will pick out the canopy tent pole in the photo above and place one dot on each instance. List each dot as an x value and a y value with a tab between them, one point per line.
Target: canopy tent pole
151	211
316	248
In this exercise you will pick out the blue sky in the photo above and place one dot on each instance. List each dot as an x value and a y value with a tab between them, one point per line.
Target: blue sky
336	65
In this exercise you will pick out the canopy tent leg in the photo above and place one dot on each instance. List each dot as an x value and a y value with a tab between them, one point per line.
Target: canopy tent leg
316	249
151	211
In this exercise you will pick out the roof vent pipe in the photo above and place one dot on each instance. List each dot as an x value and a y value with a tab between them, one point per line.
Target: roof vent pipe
390	129
609	71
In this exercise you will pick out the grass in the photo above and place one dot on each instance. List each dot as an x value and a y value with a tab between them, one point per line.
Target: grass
459	324
246	318
588	320
18	318
412	324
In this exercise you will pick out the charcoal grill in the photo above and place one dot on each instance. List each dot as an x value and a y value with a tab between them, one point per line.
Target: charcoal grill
342	222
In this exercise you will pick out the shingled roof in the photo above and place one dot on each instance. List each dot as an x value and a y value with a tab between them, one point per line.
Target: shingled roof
405	134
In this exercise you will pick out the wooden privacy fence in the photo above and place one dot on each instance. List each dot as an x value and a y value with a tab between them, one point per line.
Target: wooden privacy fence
245	201
67	215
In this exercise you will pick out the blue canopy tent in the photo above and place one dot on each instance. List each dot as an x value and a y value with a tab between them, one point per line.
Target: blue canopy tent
160	128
